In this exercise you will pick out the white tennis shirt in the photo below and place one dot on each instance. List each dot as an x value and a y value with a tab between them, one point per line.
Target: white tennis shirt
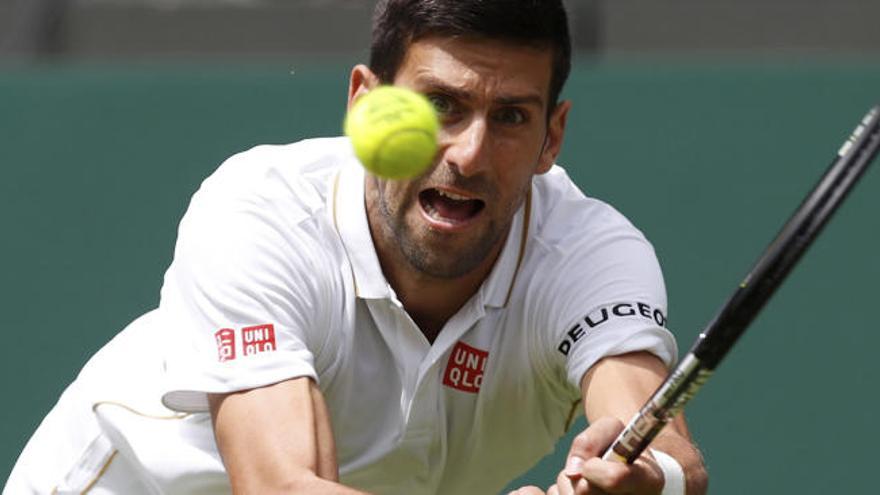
275	276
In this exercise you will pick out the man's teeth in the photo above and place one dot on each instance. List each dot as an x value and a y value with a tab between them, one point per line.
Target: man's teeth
431	211
452	195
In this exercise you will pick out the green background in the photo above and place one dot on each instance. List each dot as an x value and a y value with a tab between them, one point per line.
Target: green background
97	164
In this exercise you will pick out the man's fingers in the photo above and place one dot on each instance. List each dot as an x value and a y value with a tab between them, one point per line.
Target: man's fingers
585	473
615	477
564	485
577	486
573	465
527	490
592	442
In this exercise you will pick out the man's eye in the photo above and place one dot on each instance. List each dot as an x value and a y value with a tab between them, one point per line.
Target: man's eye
510	116
441	104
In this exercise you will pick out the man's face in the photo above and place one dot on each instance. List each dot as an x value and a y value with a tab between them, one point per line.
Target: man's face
491	97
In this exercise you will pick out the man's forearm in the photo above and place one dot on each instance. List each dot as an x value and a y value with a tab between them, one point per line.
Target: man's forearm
265	452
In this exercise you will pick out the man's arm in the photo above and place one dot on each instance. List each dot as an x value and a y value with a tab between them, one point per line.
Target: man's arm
277	439
613	391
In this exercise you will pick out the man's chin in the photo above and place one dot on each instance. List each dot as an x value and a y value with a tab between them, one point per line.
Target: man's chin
443	270
438	256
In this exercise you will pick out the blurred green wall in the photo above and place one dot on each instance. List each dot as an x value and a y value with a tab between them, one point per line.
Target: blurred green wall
97	165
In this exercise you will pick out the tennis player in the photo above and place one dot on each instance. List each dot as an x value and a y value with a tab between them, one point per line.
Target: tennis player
322	330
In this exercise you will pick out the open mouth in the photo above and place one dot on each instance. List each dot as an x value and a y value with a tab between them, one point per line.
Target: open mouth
448	207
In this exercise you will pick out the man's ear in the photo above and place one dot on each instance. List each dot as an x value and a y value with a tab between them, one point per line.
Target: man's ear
361	81
555	134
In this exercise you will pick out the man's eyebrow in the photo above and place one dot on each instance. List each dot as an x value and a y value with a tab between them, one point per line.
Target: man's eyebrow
520	100
431	84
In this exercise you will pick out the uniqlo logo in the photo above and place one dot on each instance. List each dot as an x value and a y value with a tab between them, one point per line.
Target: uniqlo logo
257	339
225	338
465	369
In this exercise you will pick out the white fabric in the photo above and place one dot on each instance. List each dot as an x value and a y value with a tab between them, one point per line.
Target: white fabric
93	439
278	236
673	474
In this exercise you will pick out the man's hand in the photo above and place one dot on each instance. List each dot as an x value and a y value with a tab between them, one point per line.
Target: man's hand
614	389
586	473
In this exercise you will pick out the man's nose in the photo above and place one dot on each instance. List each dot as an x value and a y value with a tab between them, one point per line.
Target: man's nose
467	147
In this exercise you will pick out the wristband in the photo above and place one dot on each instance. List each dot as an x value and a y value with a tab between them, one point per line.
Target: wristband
673	474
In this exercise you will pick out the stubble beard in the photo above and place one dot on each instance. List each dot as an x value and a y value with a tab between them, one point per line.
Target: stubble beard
427	254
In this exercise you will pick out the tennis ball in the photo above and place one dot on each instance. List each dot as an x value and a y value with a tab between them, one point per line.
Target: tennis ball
393	131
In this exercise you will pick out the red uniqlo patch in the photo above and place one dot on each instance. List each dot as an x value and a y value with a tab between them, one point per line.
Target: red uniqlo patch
465	369
257	339
225	338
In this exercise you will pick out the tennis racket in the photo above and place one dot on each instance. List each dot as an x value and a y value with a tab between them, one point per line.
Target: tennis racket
753	292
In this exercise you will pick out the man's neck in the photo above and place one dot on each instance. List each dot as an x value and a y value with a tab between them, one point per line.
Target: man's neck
432	301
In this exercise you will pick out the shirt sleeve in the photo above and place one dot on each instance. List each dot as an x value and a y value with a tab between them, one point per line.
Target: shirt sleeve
606	297
246	298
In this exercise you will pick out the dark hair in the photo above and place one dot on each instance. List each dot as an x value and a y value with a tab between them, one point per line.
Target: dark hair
397	23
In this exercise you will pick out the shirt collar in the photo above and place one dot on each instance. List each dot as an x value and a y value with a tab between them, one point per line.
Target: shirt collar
350	219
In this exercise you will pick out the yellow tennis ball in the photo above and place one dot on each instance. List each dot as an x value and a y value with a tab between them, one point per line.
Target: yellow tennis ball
393	131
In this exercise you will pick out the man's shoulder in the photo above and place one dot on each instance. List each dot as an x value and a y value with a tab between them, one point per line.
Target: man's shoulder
269	199
564	214
304	159
286	177
305	154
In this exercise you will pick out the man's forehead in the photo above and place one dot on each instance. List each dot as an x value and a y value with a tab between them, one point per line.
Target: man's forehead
465	63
